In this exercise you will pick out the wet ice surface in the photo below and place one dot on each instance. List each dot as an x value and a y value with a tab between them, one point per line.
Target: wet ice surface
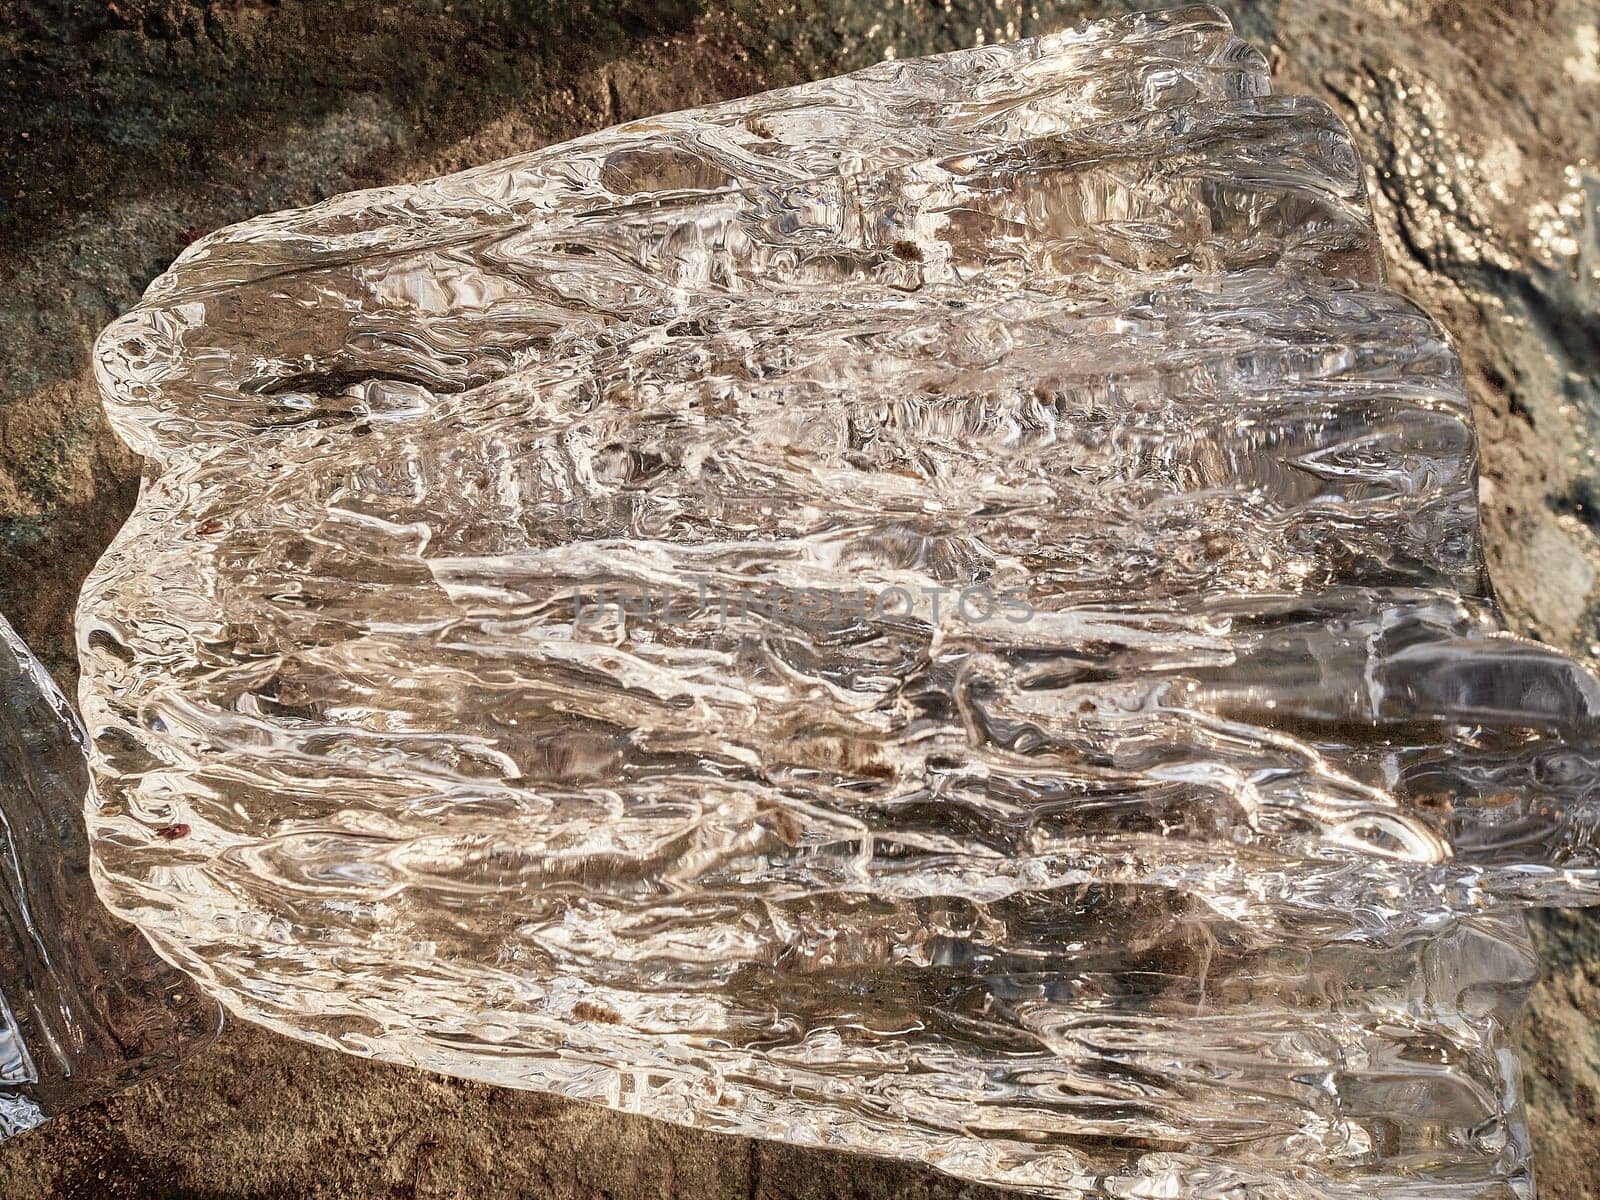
937	613
85	1006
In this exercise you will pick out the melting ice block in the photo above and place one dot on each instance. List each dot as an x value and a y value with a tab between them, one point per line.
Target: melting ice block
937	613
86	1007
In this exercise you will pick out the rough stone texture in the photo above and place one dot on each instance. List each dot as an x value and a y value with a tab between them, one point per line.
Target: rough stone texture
133	126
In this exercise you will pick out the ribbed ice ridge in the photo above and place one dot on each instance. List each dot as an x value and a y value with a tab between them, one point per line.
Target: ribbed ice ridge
85	1006
937	613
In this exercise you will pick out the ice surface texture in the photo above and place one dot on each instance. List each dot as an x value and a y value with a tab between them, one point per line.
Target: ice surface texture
938	613
85	1006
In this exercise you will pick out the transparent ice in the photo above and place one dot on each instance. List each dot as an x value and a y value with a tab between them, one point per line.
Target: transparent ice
86	1007
937	613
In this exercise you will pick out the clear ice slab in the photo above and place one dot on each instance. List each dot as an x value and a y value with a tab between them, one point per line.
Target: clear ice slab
938	613
86	1007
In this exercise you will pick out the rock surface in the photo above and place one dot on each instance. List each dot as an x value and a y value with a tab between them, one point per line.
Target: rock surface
160	121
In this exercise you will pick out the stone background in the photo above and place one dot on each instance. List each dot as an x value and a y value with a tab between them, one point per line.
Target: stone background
132	126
